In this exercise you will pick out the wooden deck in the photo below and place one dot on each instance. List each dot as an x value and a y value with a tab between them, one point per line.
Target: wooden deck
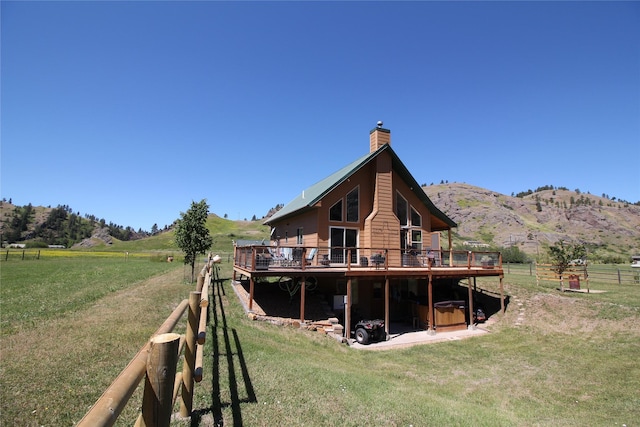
256	262
259	261
392	272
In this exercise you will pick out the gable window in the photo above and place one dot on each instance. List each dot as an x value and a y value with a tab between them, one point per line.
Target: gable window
411	225
353	205
335	212
416	219
402	209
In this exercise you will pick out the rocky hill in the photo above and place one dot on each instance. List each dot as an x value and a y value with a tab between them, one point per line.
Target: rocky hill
610	229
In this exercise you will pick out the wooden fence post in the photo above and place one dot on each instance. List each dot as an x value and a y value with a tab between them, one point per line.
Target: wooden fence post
157	400
193	320
107	408
200	282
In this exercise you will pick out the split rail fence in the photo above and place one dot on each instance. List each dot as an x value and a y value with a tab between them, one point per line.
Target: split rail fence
157	361
597	273
572	275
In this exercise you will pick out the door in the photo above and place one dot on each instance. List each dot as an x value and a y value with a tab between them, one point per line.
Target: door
343	239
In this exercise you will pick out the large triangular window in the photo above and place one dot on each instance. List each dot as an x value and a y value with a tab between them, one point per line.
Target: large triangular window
335	212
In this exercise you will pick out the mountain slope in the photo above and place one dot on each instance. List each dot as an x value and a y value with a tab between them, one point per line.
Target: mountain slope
608	228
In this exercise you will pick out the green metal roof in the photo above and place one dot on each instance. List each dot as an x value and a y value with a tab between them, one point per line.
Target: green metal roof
310	196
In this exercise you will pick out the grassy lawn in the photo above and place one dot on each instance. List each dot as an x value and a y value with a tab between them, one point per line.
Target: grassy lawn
571	361
70	325
551	360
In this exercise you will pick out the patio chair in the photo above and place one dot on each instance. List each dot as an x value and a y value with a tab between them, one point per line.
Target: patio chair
310	256
277	257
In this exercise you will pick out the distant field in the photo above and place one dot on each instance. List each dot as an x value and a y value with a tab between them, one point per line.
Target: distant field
45	289
552	360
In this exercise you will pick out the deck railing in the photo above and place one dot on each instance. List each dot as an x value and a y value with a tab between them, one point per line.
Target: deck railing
259	257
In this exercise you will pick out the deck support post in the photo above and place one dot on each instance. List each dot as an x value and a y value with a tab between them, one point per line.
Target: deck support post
303	287
386	307
347	311
251	286
471	323
431	330
450	249
501	295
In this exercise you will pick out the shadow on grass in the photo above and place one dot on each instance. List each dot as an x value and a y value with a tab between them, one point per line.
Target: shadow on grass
224	341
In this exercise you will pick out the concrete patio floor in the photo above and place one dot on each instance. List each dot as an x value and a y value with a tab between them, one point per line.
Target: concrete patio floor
401	335
402	339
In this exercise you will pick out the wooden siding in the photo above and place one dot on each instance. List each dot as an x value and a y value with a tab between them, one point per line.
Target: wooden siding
378	225
382	228
289	228
378	137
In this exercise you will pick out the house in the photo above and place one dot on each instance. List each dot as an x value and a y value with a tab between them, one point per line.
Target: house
372	241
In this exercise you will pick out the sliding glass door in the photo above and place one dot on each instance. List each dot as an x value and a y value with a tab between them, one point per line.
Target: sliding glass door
343	239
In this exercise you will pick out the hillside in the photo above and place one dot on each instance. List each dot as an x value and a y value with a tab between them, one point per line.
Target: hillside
610	229
38	226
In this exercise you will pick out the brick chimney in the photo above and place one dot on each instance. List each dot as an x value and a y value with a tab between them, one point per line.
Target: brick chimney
378	137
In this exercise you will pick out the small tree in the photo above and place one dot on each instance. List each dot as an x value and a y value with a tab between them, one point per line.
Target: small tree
513	254
192	235
562	254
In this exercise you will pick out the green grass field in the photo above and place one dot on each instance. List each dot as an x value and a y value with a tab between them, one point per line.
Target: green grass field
69	326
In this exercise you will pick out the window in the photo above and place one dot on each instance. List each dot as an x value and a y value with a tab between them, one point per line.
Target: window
335	212
416	240
299	236
402	209
416	219
353	206
411	225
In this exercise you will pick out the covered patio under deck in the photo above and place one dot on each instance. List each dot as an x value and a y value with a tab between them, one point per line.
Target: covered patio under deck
383	266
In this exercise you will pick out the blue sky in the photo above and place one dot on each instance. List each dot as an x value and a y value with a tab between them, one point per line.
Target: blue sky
132	110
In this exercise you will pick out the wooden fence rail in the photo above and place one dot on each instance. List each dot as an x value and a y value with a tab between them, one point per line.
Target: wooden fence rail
32	254
157	362
596	273
572	275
